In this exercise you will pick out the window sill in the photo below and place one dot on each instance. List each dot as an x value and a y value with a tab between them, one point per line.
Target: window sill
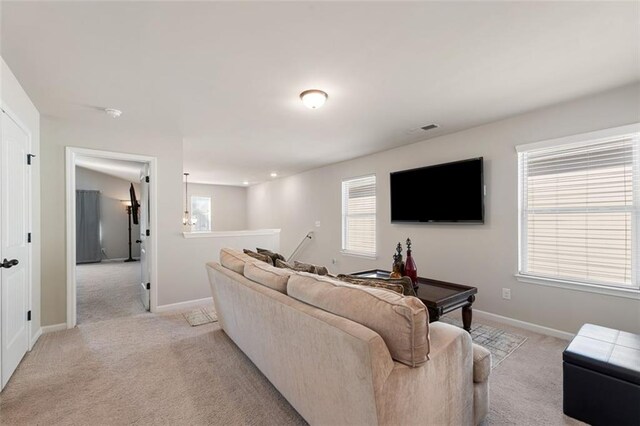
356	254
629	293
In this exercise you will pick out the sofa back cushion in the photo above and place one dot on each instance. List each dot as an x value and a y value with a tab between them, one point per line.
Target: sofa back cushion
235	260
401	321
267	275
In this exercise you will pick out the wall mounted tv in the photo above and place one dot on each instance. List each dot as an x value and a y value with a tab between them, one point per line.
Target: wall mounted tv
451	192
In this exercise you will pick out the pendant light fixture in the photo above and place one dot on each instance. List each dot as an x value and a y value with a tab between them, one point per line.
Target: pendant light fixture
187	220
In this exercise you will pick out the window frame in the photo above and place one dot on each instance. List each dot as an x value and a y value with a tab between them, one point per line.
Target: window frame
600	288
191	210
343	219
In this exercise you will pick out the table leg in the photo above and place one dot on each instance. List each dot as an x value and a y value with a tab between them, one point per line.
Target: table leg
434	315
467	314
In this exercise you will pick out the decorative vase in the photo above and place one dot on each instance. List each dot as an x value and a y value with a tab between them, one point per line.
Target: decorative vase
398	264
411	270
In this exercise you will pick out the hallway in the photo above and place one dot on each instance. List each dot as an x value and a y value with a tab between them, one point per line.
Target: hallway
108	290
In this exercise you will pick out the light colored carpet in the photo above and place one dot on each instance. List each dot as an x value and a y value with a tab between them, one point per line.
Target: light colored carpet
156	369
499	342
146	369
107	290
527	388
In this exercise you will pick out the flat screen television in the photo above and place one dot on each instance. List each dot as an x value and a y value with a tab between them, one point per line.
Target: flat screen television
134	205
451	192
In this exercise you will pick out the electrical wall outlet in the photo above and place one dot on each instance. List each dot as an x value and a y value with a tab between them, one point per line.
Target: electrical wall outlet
506	293
317	224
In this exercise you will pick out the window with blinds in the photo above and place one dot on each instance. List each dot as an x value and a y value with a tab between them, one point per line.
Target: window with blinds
359	215
579	205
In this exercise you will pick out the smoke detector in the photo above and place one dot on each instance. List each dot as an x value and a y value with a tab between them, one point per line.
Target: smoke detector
112	112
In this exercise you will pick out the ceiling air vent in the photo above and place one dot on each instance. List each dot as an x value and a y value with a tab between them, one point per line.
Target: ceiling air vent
429	127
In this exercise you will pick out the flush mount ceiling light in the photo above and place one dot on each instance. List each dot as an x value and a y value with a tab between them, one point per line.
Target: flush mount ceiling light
274	174
313	99
112	112
245	182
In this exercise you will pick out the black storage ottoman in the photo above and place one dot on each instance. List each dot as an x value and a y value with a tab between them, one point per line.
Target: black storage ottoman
601	377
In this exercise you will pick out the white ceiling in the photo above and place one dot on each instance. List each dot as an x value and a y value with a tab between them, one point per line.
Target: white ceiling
226	76
127	170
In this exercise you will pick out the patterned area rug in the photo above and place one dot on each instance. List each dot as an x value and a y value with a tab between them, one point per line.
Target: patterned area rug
500	343
201	316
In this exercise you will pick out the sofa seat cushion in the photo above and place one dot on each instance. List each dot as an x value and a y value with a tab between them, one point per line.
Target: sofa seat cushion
267	275
401	321
235	260
481	364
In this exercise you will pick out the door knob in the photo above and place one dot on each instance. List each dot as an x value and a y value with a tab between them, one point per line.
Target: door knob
8	263
138	241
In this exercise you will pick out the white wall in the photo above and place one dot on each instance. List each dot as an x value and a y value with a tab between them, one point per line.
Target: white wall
180	261
15	99
104	133
206	248
113	216
484	256
228	205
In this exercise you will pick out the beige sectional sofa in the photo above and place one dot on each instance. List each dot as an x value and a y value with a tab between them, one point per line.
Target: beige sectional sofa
344	354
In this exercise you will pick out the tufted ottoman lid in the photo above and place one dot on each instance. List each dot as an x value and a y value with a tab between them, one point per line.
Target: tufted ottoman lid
605	350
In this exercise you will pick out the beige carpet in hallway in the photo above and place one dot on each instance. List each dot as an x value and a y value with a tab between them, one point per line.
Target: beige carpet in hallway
156	369
107	290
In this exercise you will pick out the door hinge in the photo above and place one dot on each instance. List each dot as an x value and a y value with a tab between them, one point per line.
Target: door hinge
29	157
148	232
146	179
148	286
29	237
29	316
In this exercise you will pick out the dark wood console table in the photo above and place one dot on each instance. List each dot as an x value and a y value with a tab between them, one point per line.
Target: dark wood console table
439	297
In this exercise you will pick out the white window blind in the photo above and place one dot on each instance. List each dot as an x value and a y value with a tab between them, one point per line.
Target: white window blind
359	215
579	212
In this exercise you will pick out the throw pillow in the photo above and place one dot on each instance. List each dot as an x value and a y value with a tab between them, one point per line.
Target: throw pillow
397	288
405	282
302	267
273	255
293	267
319	270
259	256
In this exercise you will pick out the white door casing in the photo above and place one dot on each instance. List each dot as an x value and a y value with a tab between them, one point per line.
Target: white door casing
15	221
145	220
71	154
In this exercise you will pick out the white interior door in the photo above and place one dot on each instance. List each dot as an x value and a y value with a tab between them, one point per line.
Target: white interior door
14	253
145	223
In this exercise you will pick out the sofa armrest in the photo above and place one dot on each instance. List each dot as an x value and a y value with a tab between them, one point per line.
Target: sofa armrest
481	364
445	382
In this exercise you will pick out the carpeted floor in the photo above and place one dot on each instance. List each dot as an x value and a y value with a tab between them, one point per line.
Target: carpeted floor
499	342
526	388
107	290
157	369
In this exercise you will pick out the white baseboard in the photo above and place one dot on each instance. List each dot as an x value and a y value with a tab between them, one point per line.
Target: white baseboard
55	327
184	305
35	338
523	324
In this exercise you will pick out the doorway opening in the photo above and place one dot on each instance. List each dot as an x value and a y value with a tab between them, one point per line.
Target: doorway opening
111	244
